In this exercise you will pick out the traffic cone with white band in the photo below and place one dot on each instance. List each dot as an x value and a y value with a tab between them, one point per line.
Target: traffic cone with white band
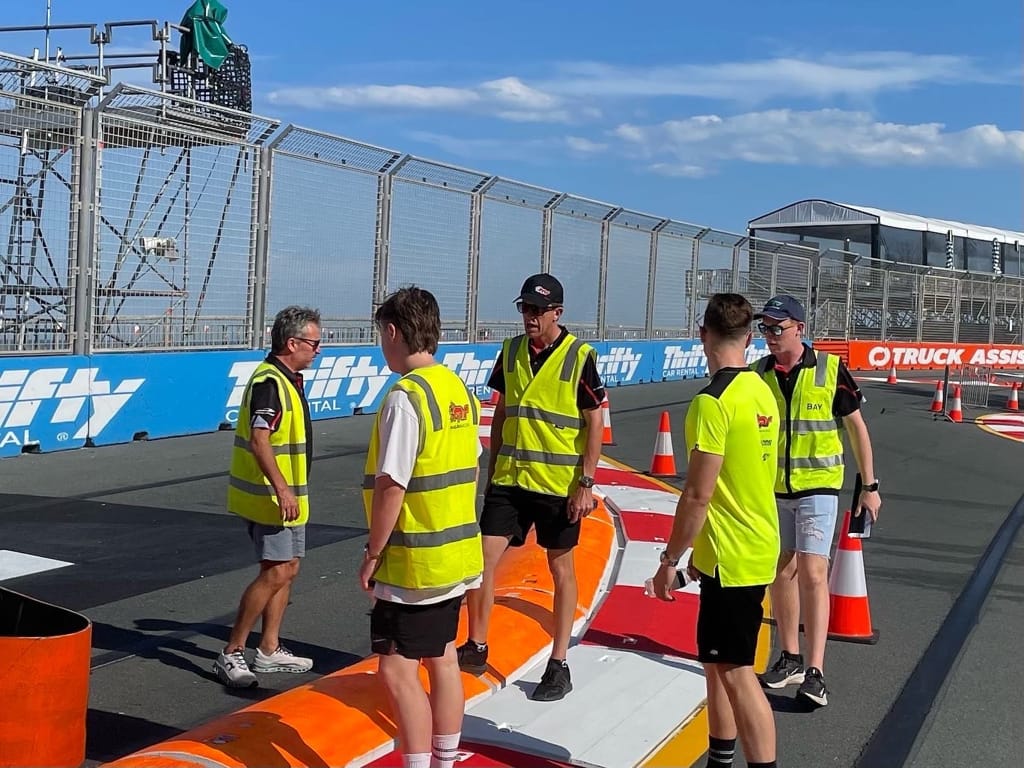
849	615
664	461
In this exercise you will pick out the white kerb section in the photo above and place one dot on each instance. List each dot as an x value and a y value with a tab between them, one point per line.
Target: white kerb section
15	564
621	498
847	579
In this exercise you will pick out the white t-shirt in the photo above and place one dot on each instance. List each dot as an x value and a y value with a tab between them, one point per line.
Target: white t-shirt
399	443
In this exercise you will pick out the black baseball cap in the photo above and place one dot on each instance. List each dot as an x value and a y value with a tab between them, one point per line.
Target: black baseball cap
541	290
782	308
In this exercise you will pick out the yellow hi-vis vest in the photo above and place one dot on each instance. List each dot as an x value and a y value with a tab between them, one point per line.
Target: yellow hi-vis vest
543	439
810	443
436	542
250	494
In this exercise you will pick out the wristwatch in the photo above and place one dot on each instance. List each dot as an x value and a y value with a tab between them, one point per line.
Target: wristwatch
667	560
871	486
366	549
586	482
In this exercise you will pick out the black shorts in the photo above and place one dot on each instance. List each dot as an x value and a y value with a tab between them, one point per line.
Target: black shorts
414	631
510	511
728	622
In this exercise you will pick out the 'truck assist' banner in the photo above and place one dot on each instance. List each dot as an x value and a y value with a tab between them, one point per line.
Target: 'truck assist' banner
916	355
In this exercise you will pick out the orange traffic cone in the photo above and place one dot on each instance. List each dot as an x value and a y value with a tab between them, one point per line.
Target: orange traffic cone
849	615
955	414
664	460
892	375
1012	404
606	414
939	401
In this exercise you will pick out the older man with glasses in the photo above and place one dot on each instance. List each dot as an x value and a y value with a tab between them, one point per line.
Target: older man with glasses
817	398
545	445
269	489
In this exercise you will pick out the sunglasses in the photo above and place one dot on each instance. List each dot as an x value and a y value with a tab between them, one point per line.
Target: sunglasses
314	344
532	310
772	330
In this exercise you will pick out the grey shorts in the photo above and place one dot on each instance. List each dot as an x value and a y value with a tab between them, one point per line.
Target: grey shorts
278	543
808	524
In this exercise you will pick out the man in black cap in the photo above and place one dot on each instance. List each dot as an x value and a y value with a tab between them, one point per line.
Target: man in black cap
545	445
815	394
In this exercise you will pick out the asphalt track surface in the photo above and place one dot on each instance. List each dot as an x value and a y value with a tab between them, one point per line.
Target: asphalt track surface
159	566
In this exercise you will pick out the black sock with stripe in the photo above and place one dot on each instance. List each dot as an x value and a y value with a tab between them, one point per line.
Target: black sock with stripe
720	752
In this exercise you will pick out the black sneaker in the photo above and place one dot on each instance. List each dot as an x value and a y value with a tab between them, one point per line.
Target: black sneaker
555	683
788	670
472	657
813	688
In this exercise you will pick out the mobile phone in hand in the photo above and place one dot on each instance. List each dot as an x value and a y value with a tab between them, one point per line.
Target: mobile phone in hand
860	525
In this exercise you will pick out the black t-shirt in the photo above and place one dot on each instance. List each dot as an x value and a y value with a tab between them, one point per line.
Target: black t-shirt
265	405
589	391
848	395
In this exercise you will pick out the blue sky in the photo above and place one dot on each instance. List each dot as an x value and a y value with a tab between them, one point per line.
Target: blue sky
708	113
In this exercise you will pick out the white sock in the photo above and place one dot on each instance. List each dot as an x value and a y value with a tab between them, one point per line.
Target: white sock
416	760
445	748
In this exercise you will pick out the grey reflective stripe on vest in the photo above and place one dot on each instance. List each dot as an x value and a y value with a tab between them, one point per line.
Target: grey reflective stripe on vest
812	425
570	360
434	538
813	462
542	457
513	352
472	403
532	412
431	482
259	489
435	409
821	369
298	449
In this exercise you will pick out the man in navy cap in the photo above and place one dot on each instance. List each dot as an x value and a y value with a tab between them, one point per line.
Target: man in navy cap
545	445
815	394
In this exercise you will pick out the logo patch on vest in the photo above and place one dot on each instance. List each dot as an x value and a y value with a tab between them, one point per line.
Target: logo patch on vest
458	413
764	421
814	407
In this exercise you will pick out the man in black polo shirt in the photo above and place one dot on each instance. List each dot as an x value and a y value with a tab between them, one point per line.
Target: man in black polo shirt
545	445
269	489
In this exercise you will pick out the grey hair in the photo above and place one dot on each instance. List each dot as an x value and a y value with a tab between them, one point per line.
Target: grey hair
290	323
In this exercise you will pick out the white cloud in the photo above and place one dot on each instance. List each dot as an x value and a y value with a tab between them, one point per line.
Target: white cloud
856	75
408	96
508	98
827	137
585	146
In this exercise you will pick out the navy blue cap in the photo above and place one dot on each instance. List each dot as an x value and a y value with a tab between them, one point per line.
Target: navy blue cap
782	308
542	291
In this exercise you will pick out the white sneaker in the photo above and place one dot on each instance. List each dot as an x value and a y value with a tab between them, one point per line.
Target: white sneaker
281	660
233	670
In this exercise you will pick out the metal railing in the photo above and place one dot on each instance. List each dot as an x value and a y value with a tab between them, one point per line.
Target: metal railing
138	219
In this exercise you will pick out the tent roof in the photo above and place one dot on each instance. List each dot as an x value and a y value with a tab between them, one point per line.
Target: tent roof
811	213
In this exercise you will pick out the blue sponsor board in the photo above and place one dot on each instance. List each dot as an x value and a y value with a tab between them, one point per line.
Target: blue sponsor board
67	401
685	359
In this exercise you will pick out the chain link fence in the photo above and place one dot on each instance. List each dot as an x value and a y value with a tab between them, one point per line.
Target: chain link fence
193	224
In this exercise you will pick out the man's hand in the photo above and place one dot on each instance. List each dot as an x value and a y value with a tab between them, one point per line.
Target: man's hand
663	583
581	504
288	503
871	501
366	570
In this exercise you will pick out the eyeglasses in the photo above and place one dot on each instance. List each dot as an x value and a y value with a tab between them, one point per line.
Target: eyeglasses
772	330
314	344
531	309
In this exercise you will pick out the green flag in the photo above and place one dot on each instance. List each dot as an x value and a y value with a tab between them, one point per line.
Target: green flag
205	19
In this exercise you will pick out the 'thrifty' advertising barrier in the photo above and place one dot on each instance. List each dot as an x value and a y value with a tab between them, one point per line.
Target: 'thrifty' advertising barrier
66	401
916	355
